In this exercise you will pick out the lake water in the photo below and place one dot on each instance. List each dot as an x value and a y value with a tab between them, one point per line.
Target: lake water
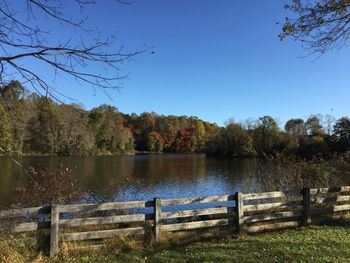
141	177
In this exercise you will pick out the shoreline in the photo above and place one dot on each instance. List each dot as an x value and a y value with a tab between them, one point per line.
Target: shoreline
102	154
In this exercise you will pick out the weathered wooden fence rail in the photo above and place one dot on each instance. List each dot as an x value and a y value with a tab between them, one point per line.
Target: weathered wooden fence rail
242	212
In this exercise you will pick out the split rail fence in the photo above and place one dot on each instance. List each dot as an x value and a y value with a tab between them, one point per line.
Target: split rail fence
242	212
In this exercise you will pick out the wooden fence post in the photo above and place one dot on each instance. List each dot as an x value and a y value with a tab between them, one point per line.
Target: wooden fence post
54	230
157	218
231	213
306	207
239	212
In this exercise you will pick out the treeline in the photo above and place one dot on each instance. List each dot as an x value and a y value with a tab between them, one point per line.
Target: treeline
33	124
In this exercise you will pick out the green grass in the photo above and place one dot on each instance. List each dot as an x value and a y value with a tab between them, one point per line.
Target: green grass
313	244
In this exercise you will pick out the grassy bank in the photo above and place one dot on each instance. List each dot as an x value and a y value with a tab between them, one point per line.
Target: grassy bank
313	244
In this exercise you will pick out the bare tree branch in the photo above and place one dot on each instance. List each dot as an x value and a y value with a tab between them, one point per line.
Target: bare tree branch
24	41
320	25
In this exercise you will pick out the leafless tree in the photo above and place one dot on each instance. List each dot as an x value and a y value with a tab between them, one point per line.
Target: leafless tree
329	121
24	40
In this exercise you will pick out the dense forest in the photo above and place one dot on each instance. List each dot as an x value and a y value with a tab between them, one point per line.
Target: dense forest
34	124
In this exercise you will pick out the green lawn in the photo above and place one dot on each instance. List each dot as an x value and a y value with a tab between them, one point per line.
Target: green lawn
313	244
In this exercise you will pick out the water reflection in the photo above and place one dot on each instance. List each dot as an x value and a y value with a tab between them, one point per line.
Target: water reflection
141	177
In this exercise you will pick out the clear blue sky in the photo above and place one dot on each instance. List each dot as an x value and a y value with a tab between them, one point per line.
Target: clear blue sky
216	60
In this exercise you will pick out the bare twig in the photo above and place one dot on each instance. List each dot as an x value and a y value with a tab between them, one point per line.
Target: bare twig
22	43
319	25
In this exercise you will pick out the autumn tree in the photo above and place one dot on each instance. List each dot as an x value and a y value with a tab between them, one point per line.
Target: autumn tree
295	127
125	141
50	127
168	127
265	136
182	141
20	107
45	127
342	134
313	146
76	137
146	124
239	142
216	140
155	142
198	136
328	122
289	144
314	126
106	123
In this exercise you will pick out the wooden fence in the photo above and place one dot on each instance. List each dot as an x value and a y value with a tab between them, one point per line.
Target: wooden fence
242	212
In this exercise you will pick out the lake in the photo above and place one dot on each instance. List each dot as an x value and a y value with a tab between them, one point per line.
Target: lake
141	177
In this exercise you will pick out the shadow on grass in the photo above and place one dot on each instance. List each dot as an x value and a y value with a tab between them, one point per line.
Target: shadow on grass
329	242
343	222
